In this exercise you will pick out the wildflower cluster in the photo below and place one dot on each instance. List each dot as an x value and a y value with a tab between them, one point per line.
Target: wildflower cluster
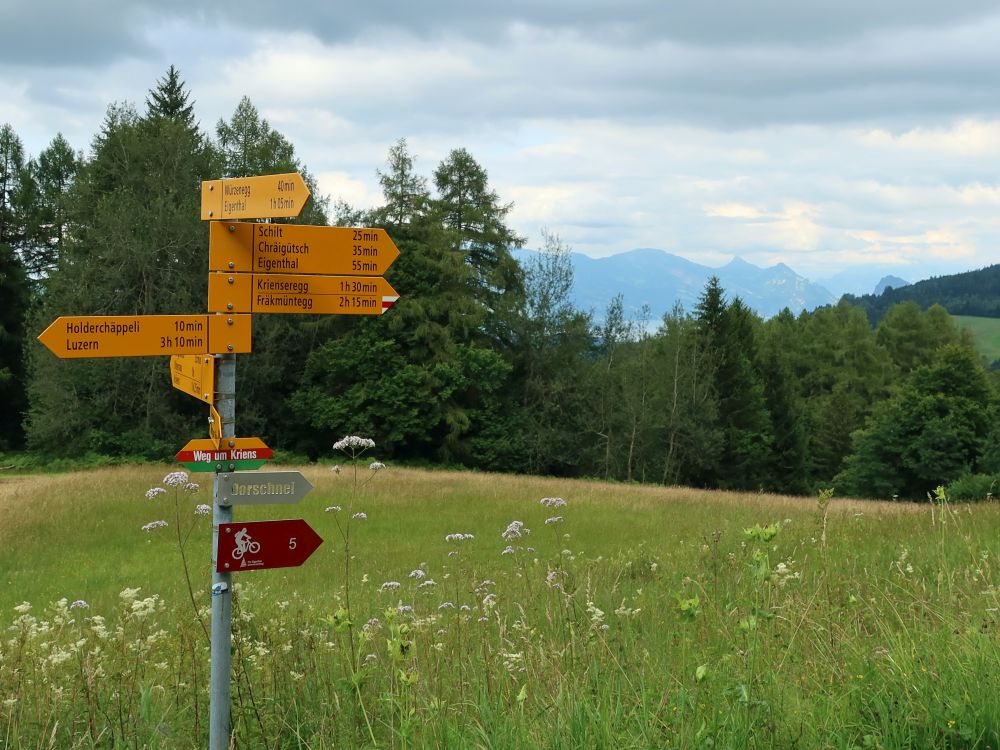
176	479
515	530
352	443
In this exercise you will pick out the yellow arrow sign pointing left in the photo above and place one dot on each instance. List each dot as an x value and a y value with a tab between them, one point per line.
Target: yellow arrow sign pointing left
77	337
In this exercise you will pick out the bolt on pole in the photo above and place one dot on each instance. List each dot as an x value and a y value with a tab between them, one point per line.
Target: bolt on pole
222	595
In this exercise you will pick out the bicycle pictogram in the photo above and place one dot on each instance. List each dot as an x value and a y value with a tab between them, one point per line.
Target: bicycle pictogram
244	544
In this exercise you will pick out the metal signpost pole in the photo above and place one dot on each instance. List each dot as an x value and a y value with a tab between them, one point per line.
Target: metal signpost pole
222	601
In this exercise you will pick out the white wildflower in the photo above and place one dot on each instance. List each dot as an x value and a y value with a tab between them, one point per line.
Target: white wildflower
335	468
202	510
154	525
458	537
332	509
79	604
154	493
360	516
446	605
376	465
596	614
353	442
554	519
176	479
515	530
23	608
418	574
143	607
389	586
514	662
552	502
191	487
427	584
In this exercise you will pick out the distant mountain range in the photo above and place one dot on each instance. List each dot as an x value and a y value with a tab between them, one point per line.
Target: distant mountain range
659	279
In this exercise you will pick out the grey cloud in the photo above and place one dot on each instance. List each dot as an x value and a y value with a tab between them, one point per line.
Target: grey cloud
71	33
53	30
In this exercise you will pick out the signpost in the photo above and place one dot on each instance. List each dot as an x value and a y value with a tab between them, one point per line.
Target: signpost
194	374
265	268
77	337
283	293
272	196
263	487
298	249
233	454
262	545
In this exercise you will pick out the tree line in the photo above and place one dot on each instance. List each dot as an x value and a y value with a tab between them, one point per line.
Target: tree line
482	363
970	293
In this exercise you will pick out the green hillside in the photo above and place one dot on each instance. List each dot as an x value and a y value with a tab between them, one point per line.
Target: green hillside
985	332
970	293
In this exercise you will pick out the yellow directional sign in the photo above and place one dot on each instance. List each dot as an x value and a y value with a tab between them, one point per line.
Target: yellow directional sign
77	337
299	249
194	374
215	426
271	196
274	293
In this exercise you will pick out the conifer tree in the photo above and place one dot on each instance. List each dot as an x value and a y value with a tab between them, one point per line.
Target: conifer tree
476	220
170	100
11	177
137	247
47	216
728	331
15	290
15	296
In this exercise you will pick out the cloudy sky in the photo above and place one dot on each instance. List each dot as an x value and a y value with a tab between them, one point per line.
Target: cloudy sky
828	136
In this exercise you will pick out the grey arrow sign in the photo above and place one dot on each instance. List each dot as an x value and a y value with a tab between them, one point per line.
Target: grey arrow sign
262	488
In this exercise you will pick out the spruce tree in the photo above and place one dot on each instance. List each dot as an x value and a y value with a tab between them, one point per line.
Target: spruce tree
47	216
15	296
136	247
15	290
728	333
170	100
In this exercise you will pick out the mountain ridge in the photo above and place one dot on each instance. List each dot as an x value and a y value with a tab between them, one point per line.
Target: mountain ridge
658	279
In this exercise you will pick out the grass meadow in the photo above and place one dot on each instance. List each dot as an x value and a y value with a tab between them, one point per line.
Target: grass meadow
645	618
985	332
